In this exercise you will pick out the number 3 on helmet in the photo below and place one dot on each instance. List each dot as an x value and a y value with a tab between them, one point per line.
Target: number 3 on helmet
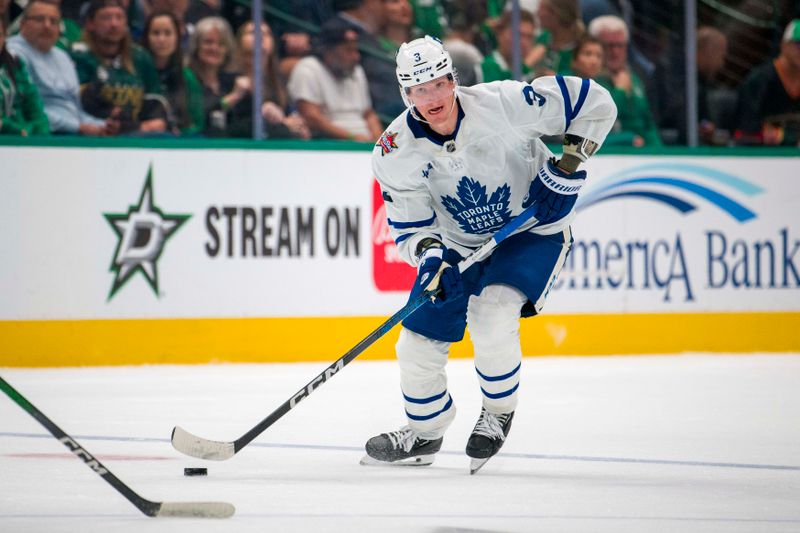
420	61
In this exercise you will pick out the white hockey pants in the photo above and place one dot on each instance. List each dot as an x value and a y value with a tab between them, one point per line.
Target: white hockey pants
493	319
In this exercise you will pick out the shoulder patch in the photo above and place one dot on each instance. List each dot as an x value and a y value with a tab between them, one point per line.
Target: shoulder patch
387	142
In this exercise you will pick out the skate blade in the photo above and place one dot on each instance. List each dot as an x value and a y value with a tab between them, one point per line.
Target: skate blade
477	464
420	460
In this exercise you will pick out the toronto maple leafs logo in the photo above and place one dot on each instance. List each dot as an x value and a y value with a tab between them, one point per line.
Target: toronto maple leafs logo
387	142
474	211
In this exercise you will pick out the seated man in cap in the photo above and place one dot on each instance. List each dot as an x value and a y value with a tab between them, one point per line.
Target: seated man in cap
330	88
769	99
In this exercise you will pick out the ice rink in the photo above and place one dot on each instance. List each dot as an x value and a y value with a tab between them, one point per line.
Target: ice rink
599	444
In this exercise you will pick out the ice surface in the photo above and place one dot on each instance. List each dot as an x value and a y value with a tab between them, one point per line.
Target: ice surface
599	444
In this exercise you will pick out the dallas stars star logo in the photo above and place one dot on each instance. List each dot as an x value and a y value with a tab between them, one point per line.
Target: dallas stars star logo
142	233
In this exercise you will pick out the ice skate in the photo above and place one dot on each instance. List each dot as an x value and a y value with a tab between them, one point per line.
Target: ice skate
487	438
401	447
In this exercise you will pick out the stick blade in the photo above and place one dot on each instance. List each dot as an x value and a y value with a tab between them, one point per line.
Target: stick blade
195	510
195	446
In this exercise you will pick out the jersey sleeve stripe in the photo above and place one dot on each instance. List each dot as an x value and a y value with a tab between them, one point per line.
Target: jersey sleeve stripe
413	223
581	97
567	102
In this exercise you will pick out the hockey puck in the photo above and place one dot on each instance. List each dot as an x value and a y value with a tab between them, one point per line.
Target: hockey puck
195	471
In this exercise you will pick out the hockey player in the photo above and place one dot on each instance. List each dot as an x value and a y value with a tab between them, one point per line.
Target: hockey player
453	169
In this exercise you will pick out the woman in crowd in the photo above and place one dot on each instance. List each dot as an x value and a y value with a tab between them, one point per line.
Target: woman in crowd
184	92
562	25
279	120
21	110
211	54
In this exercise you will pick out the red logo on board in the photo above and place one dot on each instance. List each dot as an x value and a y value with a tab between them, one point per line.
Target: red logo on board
389	271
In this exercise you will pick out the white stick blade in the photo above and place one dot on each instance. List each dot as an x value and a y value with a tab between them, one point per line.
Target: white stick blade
196	510
195	446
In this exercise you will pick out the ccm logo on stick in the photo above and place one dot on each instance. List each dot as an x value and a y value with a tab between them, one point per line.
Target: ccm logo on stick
319	380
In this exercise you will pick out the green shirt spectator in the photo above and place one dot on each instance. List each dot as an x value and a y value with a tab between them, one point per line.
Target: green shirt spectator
21	110
634	119
497	65
118	78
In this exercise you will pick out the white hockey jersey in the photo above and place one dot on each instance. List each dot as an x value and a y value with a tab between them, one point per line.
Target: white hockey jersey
462	188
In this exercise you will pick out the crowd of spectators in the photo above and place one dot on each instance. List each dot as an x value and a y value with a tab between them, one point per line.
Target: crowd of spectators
184	67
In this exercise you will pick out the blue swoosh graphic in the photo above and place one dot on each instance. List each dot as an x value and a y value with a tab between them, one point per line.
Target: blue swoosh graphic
735	182
672	201
730	206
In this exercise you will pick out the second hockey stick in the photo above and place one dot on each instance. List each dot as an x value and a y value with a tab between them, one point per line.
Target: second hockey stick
150	508
195	446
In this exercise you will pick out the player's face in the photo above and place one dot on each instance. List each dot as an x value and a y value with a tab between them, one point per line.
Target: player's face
211	49
162	37
589	61
434	99
41	26
109	24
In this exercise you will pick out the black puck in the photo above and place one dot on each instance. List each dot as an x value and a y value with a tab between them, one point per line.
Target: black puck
195	471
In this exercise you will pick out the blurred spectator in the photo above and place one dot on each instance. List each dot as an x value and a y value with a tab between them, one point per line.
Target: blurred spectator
294	43
21	111
185	113
53	72
118	78
278	121
769	98
367	17
429	17
715	106
5	5
398	26
69	29
634	117
466	18
587	58
177	7
200	9
497	66
330	88
562	25
211	54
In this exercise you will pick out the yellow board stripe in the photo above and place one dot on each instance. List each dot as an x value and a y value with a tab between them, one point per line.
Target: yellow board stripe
49	343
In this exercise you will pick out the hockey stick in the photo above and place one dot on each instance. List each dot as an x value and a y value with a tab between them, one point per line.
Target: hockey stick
195	446
174	509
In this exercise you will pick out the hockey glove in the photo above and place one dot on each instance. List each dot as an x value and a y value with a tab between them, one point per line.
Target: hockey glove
554	192
436	274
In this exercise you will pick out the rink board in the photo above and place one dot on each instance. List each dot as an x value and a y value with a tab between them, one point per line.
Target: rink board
135	254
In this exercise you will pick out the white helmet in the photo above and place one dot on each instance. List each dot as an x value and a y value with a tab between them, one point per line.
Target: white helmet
422	60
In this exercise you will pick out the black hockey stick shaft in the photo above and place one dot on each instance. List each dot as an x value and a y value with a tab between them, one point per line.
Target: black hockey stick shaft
146	506
150	508
326	374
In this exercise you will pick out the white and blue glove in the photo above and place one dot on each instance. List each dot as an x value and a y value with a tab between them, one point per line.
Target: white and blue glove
435	274
554	192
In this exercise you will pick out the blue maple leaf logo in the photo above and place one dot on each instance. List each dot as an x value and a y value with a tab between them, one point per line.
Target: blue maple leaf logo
474	211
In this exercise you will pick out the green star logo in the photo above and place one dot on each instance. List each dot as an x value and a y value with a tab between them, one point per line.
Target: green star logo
142	231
